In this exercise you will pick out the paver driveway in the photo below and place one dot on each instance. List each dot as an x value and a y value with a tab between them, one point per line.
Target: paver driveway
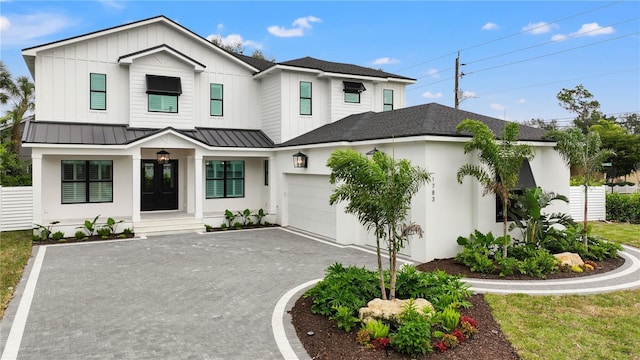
189	296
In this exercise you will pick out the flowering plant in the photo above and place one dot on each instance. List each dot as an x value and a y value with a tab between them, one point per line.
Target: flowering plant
380	343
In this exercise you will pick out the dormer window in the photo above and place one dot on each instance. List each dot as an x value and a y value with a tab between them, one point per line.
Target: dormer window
163	92
352	91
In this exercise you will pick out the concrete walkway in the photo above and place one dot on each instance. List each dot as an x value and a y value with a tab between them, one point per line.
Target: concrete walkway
197	296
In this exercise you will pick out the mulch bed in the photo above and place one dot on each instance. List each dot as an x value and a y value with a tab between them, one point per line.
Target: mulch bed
489	343
85	239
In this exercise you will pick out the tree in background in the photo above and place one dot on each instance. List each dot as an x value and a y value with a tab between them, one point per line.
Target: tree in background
500	163
379	192
580	101
542	124
20	94
625	145
630	122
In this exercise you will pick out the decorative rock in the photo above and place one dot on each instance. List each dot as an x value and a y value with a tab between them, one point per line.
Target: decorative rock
389	309
570	259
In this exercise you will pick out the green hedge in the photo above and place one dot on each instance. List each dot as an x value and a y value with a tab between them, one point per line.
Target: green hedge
623	207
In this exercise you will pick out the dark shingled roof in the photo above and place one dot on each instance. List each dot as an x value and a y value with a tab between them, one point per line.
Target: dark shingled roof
340	68
39	132
428	119
259	64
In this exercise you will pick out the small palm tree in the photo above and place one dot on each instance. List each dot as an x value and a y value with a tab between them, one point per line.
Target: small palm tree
21	92
500	163
581	151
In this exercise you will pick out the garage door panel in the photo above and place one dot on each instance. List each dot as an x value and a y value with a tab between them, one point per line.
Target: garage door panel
308	204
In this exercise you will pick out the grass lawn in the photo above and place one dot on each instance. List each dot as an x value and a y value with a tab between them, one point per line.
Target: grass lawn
15	250
603	326
623	233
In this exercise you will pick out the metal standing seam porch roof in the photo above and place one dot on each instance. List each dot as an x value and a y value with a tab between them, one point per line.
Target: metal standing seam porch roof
43	132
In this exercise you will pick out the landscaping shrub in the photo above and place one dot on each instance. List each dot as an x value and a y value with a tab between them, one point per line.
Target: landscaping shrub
623	207
414	334
441	289
351	287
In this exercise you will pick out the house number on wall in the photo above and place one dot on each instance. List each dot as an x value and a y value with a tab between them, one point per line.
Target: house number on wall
433	189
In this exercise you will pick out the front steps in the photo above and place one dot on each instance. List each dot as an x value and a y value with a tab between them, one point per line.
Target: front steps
167	224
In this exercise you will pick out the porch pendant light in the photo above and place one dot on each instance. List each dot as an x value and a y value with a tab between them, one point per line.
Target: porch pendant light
163	156
299	160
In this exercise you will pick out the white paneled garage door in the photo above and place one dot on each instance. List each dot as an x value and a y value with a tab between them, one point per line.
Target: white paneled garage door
308	202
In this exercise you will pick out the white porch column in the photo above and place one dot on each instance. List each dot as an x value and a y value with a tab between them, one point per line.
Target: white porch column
36	186
273	186
135	187
198	178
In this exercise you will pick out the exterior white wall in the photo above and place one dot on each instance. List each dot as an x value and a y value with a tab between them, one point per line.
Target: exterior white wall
292	123
253	199
271	106
52	208
444	208
341	109
62	78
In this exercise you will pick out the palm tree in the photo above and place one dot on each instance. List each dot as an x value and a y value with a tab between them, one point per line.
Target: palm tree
581	151
21	93
361	181
500	163
378	191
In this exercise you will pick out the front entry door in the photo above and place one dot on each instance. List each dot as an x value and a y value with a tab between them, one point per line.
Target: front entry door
159	185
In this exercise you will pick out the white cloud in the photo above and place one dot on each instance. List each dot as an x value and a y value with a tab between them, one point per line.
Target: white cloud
118	5
539	28
4	23
469	95
521	101
25	30
490	26
299	26
219	28
385	61
430	95
498	107
434	73
590	29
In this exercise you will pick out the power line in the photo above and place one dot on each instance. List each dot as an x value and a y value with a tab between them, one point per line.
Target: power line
511	35
529	59
553	53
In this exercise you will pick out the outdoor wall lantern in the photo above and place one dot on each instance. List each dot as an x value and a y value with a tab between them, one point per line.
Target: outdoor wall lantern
163	156
373	151
299	160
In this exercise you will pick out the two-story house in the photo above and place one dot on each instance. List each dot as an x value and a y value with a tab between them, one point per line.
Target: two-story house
151	123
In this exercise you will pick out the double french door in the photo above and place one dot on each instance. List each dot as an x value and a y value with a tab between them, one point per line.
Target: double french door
159	187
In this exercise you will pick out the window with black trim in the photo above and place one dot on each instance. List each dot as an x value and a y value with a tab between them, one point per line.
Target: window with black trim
225	179
525	181
87	181
163	92
98	91
387	100
352	91
216	97
305	98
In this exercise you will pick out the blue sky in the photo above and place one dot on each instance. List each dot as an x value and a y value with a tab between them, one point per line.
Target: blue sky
517	55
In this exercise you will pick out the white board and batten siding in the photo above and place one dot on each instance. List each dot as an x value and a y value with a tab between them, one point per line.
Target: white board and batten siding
596	203
308	204
16	208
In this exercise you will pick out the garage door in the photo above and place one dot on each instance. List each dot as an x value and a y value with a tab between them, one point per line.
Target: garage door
308	203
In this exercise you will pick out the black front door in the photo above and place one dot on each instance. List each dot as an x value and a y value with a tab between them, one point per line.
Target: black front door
159	185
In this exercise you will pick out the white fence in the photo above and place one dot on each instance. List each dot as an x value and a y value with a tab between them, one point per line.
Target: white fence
627	189
16	208
596	203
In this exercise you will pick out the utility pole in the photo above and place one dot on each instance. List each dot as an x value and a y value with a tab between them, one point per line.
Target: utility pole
455	90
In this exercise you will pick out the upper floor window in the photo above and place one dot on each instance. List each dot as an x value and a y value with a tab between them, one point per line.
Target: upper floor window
305	98
225	179
216	97
87	181
98	91
352	91
163	92
387	100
